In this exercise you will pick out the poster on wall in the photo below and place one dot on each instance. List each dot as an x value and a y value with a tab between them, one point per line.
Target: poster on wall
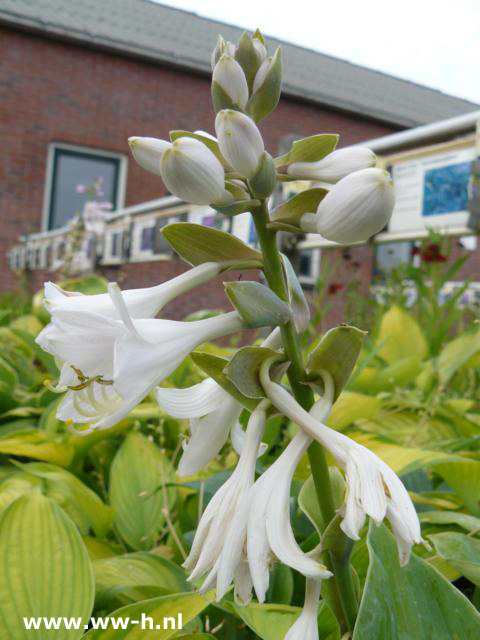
432	190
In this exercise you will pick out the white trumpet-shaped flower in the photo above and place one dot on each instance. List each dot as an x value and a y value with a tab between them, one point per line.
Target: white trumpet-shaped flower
373	489
306	625
193	173
229	75
239	140
141	303
130	356
334	166
148	152
261	530
356	208
213	414
210	535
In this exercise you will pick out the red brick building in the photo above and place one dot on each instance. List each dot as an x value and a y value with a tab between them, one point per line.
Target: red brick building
79	77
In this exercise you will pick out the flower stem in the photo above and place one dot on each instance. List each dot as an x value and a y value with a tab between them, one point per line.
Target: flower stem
342	591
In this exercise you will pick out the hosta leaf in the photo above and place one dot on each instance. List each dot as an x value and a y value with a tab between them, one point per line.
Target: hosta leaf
457	353
136	576
337	353
197	244
138	472
45	570
188	605
81	503
463	476
400	336
351	406
461	551
309	149
39	445
413	602
272	621
463	520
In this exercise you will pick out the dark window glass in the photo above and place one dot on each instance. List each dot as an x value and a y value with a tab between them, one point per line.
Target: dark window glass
72	168
389	256
305	263
146	243
116	239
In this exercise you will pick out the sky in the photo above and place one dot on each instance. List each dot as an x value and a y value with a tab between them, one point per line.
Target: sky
431	42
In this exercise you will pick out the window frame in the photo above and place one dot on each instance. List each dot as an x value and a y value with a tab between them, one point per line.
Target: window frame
73	149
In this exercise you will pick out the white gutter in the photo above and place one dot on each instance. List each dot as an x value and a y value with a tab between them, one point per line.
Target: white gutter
451	126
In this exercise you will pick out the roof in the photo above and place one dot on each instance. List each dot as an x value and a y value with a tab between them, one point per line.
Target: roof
173	36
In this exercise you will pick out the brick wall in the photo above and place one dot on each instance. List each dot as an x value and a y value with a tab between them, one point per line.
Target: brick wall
54	91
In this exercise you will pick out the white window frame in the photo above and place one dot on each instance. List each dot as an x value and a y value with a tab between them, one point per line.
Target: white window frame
54	146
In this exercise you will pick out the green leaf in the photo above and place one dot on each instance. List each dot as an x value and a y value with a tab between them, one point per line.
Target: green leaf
398	374
188	605
214	366
138	472
308	501
247	58
243	370
281	584
400	336
263	182
28	324
460	551
81	503
258	305
463	476
136	576
413	602
39	445
266	97
457	353
220	98
463	520
337	353
272	621
45	570
292	210
309	149
197	244
351	406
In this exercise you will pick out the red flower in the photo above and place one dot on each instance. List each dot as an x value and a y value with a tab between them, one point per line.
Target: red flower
334	287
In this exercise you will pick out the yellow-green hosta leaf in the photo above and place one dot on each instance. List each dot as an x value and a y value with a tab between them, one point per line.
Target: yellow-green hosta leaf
351	406
27	323
463	476
82	504
460	551
413	602
272	621
309	149
45	570
464	520
400	336
398	374
137	474
457	353
40	445
18	484
136	576
186	605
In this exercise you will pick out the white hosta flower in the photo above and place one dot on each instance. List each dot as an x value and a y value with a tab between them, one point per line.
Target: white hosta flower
141	303
334	166
356	208
220	48
148	152
260	49
131	356
210	535
229	75
306	625
373	489
261	530
262	73
239	140
193	173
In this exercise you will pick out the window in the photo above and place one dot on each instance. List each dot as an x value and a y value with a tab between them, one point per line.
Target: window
69	167
389	256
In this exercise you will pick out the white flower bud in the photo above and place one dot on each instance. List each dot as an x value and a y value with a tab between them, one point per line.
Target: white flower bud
356	208
261	74
217	52
229	75
239	140
148	152
334	166
193	173
260	49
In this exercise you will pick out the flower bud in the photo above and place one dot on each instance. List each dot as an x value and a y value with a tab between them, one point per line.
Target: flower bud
356	208
148	152
239	140
228	76
260	49
334	166
193	173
